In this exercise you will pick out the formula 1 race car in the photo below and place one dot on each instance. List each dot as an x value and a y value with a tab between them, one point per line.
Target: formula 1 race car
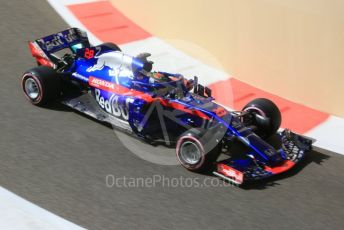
110	86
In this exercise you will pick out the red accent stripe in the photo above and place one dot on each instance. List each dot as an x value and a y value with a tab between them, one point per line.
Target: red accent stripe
107	23
297	117
118	89
181	107
281	168
121	90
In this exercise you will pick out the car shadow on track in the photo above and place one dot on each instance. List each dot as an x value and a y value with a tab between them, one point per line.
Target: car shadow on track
58	106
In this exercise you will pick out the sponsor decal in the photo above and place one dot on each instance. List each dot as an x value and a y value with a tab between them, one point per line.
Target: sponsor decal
114	73
70	37
101	84
119	64
231	173
57	40
104	60
113	105
50	44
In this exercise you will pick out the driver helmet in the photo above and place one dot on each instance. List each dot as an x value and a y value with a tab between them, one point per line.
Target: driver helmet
159	77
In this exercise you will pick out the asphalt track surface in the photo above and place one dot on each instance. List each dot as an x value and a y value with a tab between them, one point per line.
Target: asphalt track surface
58	160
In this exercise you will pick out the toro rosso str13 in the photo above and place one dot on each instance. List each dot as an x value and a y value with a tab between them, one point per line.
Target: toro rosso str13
110	86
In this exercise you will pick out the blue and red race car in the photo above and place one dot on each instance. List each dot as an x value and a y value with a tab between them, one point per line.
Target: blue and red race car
110	86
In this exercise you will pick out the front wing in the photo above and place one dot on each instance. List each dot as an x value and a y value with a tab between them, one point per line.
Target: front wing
293	146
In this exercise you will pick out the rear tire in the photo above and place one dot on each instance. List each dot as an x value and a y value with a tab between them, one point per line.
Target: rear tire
41	85
267	109
112	46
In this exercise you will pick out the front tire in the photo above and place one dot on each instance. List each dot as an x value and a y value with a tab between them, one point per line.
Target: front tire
266	109
193	155
112	46
41	85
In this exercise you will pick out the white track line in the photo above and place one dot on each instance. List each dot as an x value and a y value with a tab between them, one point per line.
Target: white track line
19	214
329	135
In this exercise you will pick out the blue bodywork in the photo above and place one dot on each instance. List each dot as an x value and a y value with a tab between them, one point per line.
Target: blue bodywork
125	88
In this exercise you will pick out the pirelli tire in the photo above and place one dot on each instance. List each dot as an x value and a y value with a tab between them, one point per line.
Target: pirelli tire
267	109
41	85
192	153
111	46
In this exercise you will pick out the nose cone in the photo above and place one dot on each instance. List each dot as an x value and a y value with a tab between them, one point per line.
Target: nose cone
276	158
265	151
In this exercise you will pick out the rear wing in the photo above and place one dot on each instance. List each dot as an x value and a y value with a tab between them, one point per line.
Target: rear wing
43	49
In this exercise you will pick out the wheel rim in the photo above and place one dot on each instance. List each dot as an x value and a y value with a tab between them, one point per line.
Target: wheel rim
190	153
31	88
252	109
256	110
